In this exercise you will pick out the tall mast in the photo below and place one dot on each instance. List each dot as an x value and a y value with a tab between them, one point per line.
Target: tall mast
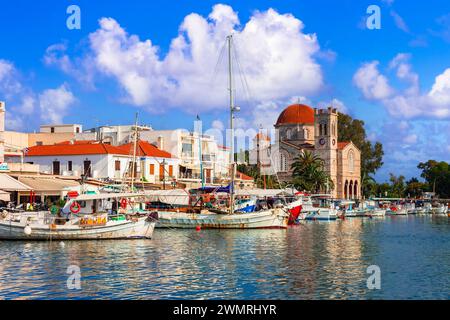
232	108
133	164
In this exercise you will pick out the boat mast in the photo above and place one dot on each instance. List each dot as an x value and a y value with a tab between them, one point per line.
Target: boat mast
133	164
232	109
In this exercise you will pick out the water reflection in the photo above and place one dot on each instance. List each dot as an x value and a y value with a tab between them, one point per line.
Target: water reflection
317	260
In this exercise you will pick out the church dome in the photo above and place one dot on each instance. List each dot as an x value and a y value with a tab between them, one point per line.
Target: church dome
296	114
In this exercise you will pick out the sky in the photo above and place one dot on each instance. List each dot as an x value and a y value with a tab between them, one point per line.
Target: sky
166	60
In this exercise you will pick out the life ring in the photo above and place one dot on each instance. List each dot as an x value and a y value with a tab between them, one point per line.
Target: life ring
75	207
123	203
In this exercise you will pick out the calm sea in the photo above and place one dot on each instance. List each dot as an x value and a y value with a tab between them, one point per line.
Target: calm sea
317	260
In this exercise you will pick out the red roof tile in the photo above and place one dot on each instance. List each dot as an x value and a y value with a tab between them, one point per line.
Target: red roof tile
243	176
296	114
145	149
342	145
73	149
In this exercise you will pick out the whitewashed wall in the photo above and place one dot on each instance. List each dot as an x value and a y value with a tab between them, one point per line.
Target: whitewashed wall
102	166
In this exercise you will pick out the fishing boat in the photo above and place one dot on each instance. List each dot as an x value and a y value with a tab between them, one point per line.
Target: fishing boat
319	207
397	210
198	209
84	217
439	208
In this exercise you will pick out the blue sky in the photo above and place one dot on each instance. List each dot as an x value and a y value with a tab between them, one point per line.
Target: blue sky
394	78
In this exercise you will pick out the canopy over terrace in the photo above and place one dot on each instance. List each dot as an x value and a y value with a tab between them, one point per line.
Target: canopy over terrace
4	196
8	183
47	186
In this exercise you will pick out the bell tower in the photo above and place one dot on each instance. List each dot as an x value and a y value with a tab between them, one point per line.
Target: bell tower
326	122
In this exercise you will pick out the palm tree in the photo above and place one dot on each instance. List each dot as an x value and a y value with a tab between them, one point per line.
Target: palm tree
309	174
369	185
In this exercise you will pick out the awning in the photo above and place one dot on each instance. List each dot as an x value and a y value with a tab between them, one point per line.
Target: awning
8	183
5	196
49	186
173	196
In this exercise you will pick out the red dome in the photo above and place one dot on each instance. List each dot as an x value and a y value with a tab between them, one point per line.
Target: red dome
296	114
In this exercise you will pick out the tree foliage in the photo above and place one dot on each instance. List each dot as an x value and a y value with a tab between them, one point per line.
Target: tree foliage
309	174
437	175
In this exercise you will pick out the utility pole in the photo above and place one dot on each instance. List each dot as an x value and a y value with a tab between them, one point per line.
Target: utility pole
133	164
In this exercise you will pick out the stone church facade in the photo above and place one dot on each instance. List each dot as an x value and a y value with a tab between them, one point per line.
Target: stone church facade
300	127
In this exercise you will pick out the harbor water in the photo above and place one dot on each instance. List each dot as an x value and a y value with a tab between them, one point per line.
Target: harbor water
315	260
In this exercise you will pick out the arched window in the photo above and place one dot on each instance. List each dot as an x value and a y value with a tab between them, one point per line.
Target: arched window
325	130
320	130
346	190
355	192
288	134
351	161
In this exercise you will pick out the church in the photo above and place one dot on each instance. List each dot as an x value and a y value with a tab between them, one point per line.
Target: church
300	127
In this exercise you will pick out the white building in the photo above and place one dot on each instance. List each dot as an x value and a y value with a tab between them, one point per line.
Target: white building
103	161
94	160
153	165
114	135
61	128
193	151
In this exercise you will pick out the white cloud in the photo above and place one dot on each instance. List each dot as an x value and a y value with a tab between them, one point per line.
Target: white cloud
217	124
399	22
373	85
440	92
54	103
409	102
9	79
82	69
410	139
277	58
335	103
20	100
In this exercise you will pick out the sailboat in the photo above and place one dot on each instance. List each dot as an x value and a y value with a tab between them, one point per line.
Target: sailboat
237	215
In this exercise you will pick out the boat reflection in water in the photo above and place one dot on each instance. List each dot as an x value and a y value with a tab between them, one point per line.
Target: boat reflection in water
322	260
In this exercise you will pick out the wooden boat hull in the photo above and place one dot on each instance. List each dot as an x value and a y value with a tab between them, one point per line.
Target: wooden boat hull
127	229
274	218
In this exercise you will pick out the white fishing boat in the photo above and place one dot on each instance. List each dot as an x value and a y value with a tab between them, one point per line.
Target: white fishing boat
85	217
319	207
397	210
376	212
440	209
206	219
